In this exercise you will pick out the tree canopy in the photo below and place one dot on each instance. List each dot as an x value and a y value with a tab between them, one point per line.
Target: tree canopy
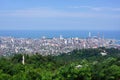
84	64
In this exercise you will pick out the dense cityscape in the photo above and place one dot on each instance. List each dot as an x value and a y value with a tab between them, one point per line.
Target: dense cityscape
54	46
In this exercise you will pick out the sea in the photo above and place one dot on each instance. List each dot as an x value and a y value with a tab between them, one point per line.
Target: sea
57	33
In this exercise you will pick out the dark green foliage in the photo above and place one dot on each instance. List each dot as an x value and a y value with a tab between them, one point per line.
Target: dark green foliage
85	64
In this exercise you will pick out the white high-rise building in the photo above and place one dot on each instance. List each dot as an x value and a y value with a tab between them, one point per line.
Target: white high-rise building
61	37
89	35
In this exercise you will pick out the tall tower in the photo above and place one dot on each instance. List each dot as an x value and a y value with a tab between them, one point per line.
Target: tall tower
98	35
23	60
89	35
103	36
61	37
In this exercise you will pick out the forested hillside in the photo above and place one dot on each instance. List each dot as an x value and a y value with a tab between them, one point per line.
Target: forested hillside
85	64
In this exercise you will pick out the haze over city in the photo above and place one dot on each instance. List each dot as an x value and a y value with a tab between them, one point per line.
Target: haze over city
60	15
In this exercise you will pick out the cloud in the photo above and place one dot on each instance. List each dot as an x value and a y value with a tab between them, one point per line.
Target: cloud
44	12
96	8
31	12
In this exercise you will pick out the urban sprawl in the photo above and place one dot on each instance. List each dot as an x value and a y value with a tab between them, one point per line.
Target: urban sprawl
47	46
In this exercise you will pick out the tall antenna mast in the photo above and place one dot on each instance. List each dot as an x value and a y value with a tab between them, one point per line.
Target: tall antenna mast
23	60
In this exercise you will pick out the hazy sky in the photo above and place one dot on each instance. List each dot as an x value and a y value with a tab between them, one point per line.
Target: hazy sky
59	14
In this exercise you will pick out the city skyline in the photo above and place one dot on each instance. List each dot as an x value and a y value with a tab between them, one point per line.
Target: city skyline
60	15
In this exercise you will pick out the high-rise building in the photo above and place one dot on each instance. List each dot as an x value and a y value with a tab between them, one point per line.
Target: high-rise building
61	37
89	35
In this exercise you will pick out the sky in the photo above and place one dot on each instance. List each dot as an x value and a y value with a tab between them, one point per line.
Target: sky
59	14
